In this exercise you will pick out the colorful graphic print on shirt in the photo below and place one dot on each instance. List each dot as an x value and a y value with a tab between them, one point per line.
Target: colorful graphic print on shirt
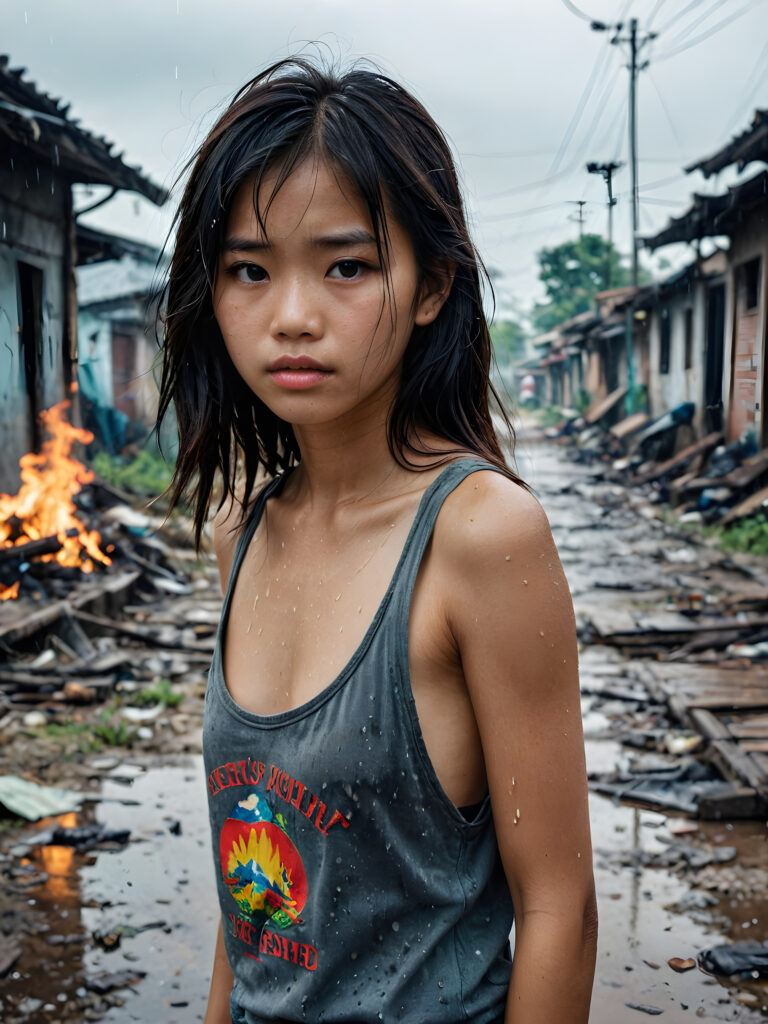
260	865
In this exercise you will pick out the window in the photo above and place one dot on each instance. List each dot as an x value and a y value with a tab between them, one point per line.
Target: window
688	338
664	339
750	278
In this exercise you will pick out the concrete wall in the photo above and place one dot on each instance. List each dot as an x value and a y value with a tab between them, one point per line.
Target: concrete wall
680	383
33	210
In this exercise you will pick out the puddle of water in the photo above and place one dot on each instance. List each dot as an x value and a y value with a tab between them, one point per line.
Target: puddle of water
158	879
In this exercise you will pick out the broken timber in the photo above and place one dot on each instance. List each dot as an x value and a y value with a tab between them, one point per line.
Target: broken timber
729	707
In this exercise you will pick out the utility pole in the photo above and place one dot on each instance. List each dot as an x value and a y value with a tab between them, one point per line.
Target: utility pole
607	172
634	68
581	203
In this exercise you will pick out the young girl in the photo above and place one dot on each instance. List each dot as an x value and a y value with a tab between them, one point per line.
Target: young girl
392	737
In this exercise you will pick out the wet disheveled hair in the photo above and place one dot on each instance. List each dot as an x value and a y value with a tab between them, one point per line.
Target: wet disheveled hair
386	144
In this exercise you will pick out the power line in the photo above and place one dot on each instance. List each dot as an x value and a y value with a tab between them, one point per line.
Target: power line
575	10
660	202
522	213
710	32
654	12
667	114
695	22
749	89
680	14
598	69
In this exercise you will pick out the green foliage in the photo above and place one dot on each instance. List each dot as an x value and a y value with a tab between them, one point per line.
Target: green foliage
160	693
573	273
63	732
582	400
148	474
749	534
637	399
508	337
550	416
112	731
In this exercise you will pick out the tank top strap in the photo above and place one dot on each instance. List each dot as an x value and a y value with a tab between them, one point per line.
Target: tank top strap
421	530
253	520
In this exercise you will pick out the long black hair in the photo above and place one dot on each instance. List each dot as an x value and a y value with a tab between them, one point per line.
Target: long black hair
388	146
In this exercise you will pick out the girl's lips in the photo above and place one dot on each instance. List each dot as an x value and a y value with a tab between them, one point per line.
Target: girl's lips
299	379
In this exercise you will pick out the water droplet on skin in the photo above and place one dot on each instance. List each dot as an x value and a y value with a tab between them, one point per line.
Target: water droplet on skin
282	543
294	608
266	592
513	780
255	600
359	610
578	855
249	628
525	582
282	643
260	630
541	632
395	926
337	597
341	629
507	557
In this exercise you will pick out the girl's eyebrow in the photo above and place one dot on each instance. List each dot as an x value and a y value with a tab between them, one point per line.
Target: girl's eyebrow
357	236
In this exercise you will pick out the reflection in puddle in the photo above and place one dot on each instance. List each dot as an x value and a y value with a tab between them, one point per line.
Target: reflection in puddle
84	921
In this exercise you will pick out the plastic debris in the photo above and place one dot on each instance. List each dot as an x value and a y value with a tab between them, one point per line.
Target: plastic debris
746	959
32	801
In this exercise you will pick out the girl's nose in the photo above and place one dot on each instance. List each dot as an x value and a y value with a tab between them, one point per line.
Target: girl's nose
296	312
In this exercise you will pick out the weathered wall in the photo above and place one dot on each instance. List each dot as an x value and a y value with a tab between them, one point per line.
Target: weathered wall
33	207
744	390
679	384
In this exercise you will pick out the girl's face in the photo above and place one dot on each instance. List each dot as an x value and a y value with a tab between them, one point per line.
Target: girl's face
304	312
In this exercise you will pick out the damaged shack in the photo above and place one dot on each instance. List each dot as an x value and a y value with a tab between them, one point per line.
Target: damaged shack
44	152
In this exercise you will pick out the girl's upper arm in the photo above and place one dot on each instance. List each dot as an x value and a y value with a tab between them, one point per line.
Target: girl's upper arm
510	611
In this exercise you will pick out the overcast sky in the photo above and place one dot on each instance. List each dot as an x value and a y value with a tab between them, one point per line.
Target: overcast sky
505	79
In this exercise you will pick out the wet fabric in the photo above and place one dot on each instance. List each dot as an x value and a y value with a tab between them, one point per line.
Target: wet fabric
351	887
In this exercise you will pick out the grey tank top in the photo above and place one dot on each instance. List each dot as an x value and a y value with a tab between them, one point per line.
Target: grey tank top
352	889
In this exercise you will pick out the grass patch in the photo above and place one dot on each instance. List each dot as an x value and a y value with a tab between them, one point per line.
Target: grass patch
160	693
147	475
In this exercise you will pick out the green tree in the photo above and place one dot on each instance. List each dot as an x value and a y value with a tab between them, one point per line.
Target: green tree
573	273
508	337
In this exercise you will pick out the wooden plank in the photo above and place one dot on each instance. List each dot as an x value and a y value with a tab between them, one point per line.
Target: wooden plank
678	461
757	746
24	623
740	803
747	507
752	727
630	424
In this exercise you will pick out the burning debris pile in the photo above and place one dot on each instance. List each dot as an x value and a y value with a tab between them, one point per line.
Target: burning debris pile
104	633
39	521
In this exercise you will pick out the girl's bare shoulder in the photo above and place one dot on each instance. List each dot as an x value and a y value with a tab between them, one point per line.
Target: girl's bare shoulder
486	512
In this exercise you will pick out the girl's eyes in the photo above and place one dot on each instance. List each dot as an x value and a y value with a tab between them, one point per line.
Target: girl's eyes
348	269
248	273
252	273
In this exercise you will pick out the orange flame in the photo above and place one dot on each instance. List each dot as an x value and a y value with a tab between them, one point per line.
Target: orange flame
44	503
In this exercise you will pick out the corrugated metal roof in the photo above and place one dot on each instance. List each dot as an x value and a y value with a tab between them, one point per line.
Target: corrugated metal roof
114	279
750	145
40	124
713	215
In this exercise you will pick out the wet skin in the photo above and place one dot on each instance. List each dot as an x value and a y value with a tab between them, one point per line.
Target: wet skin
492	640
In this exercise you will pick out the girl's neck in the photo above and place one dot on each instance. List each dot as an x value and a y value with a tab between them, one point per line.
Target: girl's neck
344	464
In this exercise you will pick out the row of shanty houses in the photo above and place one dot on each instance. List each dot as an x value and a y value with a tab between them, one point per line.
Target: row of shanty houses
698	336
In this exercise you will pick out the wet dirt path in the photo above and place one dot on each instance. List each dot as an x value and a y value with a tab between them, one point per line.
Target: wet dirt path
148	907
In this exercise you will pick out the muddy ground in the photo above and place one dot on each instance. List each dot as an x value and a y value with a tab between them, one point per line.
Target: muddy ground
141	915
